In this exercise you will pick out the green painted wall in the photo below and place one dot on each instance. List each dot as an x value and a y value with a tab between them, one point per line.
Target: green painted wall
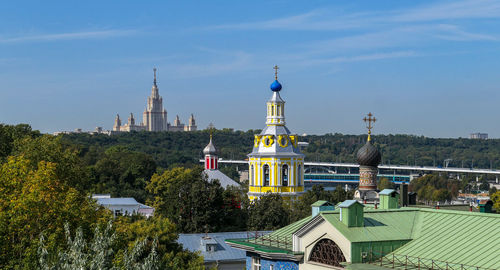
373	249
353	216
389	202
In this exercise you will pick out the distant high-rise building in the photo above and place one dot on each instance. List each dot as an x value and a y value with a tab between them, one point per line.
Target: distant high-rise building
482	136
154	117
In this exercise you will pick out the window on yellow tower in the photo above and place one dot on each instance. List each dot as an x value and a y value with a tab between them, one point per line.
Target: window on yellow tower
284	172
299	174
251	176
266	175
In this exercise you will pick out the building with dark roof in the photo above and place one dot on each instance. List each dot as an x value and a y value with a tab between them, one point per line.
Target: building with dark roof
214	249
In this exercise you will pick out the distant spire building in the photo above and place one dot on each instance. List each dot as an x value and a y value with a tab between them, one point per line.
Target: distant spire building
154	117
118	123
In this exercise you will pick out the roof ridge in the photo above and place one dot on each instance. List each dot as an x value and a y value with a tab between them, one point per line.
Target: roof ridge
456	212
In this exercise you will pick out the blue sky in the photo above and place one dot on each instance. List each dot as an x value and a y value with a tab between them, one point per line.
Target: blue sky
422	67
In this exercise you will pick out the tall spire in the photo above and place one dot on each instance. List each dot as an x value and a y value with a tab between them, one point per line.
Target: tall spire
154	71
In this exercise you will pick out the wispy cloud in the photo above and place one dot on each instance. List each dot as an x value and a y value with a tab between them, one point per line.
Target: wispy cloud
371	57
452	10
224	63
329	19
308	61
68	36
414	36
320	19
453	32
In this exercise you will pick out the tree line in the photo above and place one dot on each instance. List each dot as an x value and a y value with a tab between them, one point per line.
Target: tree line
47	215
170	149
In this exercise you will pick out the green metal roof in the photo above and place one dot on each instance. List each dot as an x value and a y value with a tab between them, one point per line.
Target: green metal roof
287	231
319	203
279	241
363	266
457	237
348	203
386	191
380	225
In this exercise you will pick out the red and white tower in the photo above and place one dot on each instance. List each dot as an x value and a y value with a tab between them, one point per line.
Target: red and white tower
211	159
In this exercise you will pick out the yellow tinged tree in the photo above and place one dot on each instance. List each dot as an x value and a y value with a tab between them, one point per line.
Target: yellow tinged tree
35	201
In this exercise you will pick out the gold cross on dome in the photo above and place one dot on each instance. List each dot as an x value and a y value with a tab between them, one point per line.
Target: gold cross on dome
276	72
369	120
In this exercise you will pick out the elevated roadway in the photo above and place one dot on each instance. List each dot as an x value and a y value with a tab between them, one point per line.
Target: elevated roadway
388	167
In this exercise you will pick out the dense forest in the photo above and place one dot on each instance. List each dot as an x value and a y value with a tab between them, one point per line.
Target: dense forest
170	149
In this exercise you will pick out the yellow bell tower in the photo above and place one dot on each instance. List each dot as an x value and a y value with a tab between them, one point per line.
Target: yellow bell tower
276	164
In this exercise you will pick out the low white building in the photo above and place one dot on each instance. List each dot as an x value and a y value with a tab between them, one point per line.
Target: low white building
123	206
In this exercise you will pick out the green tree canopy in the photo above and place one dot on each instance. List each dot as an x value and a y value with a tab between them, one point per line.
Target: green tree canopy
268	213
33	201
9	134
384	183
122	173
185	197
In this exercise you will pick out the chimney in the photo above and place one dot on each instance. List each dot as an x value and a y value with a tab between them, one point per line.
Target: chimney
403	192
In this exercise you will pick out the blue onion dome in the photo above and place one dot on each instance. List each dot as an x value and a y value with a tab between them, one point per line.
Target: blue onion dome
276	86
368	155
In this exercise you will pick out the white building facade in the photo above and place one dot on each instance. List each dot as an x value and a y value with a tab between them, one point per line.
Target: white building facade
154	117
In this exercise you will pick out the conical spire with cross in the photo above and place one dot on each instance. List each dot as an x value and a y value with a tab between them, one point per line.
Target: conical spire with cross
276	105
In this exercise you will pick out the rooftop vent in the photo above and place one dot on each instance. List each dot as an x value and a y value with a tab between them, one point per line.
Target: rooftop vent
321	206
208	244
389	199
352	214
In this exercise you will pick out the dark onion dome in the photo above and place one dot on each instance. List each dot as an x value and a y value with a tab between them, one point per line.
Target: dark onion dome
368	155
210	148
276	86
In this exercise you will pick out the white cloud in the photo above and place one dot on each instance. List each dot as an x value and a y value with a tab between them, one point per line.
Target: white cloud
330	19
452	10
312	20
67	36
224	63
453	32
356	58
